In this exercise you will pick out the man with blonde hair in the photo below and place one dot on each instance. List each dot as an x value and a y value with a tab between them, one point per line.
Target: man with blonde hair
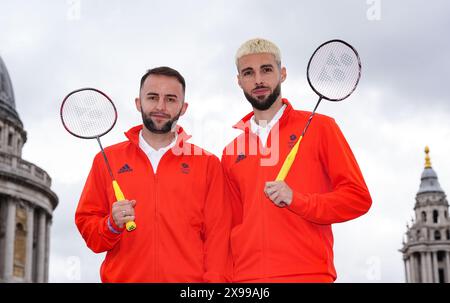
282	229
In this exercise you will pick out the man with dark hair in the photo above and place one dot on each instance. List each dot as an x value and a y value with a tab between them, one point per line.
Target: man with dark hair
177	189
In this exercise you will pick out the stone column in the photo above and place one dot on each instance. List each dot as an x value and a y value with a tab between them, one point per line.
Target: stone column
430	268
417	269
29	249
435	268
408	270
9	240
41	247
413	269
405	261
47	249
447	266
423	258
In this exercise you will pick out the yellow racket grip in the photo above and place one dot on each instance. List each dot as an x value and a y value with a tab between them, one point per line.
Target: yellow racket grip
131	225
288	161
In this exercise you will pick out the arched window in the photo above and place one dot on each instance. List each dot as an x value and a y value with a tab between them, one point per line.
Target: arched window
448	234
424	216
437	235
10	139
435	216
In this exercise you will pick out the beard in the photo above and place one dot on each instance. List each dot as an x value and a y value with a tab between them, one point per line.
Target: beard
264	104
165	128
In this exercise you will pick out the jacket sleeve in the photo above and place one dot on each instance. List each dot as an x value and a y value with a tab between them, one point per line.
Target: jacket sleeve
349	197
217	225
92	214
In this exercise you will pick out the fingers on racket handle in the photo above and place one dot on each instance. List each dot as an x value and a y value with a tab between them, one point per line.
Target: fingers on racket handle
131	225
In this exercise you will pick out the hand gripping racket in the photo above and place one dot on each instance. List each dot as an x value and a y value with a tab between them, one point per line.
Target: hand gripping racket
88	113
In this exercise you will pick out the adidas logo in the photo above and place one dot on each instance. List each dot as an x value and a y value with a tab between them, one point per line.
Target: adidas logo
124	169
240	158
185	168
293	140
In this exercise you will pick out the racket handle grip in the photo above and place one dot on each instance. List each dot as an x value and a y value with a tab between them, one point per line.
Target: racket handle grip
130	225
288	162
117	191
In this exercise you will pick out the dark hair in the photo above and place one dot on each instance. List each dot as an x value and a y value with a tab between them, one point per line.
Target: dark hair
164	71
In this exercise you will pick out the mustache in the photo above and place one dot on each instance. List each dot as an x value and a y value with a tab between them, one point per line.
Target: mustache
259	87
159	114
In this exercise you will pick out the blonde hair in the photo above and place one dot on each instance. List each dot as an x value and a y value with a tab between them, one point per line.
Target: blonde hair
258	46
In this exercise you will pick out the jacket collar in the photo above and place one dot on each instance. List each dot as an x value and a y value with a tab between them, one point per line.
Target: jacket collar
133	135
244	123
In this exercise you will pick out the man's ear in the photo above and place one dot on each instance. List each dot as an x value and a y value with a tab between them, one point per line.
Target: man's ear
239	80
184	108
283	74
137	101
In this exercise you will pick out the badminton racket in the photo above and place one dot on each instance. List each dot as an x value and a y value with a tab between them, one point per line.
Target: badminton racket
333	73
88	113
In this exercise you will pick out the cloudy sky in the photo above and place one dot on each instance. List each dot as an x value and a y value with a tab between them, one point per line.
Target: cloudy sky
401	104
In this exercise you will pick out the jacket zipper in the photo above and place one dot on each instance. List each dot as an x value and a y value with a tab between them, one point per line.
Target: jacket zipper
264	239
155	229
261	201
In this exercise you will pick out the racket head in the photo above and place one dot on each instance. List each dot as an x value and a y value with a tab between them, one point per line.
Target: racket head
334	70
88	113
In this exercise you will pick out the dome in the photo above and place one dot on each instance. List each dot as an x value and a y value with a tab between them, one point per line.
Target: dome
428	173
429	182
7	102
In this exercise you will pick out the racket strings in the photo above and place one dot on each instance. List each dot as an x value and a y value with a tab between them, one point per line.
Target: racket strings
334	70
88	113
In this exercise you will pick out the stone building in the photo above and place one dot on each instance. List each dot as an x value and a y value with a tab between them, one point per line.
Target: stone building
26	200
426	247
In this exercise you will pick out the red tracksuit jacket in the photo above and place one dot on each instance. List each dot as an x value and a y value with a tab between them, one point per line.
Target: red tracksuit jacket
295	242
183	222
